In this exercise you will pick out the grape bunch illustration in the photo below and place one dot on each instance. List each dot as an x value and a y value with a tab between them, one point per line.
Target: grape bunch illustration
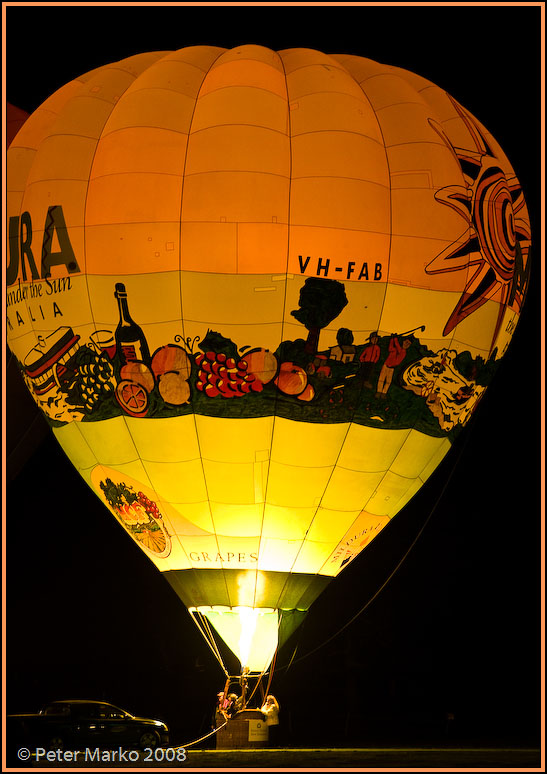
94	381
149	506
226	376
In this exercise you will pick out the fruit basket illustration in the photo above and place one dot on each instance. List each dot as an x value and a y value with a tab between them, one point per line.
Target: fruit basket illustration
138	514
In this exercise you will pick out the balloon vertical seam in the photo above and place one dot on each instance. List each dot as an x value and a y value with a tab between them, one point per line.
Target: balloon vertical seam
210	66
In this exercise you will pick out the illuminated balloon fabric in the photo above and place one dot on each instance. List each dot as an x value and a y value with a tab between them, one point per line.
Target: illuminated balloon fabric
15	118
257	295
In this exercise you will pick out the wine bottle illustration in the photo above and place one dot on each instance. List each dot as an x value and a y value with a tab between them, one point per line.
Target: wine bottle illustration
131	342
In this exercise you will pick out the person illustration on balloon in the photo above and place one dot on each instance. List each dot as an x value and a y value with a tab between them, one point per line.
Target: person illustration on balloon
368	358
396	355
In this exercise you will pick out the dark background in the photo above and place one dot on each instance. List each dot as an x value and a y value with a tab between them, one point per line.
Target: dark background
456	629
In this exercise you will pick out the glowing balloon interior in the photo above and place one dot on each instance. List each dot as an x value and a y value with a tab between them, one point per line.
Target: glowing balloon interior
257	295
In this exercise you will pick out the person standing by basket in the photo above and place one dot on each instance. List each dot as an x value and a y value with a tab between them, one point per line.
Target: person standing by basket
270	710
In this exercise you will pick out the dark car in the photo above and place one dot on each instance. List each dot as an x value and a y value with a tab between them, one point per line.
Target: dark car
77	724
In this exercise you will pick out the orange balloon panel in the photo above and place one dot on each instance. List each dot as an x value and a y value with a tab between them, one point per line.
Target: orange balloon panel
257	294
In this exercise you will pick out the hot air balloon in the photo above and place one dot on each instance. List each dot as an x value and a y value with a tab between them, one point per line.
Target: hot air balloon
257	296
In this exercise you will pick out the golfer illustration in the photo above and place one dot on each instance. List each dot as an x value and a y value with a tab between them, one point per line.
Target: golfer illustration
396	355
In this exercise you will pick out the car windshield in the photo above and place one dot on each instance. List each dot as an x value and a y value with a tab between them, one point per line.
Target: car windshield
95	710
101	711
57	709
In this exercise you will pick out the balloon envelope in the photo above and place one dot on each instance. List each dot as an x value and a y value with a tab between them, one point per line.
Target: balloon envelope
257	295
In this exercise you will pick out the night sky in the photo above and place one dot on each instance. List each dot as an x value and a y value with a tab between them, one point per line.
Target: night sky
456	629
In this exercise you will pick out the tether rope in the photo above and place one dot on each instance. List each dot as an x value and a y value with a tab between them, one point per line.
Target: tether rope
195	741
210	640
215	730
272	667
207	626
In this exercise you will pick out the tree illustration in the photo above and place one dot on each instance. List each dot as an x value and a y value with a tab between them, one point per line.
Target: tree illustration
321	300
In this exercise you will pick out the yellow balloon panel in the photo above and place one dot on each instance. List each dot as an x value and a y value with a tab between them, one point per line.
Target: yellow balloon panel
385	499
194	518
371	449
176	444
402	302
257	296
279	554
317	446
404	248
217	439
233	299
300	487
104	304
231	482
286	523
477	336
328	525
240	519
312	555
415	453
363	530
358	488
179	481
194	496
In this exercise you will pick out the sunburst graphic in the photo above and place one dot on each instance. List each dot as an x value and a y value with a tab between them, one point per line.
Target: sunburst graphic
495	245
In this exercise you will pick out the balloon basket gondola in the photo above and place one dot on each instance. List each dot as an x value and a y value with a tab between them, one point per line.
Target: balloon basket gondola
245	729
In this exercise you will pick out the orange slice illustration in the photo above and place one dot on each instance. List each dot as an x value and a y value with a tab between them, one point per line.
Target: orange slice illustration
132	397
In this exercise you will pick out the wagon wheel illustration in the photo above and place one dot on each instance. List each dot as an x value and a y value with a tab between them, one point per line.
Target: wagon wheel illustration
153	540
